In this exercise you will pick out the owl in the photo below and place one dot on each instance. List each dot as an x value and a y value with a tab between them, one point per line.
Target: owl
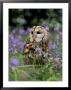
37	45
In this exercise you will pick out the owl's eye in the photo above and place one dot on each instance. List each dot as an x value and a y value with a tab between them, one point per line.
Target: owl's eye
31	32
38	32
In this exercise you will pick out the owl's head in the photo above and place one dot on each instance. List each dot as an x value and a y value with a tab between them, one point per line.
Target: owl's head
38	33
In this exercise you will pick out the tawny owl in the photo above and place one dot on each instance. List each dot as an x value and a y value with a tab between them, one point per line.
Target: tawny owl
37	45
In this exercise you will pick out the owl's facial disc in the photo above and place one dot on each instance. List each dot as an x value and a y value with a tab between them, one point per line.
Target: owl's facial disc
37	33
38	36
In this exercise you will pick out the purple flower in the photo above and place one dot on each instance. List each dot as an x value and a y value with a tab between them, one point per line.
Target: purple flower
10	49
60	33
21	45
28	29
56	29
50	57
50	45
14	61
11	37
14	45
13	40
16	40
57	39
53	46
22	32
57	54
44	25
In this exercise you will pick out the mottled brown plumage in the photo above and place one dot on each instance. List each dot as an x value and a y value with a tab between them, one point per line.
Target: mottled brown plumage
38	38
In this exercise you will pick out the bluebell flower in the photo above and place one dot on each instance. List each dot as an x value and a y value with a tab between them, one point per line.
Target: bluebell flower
54	46
50	57
14	45
44	25
56	29
16	41
22	32
14	62
57	54
10	49
11	37
50	45
60	33
57	39
21	45
28	29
